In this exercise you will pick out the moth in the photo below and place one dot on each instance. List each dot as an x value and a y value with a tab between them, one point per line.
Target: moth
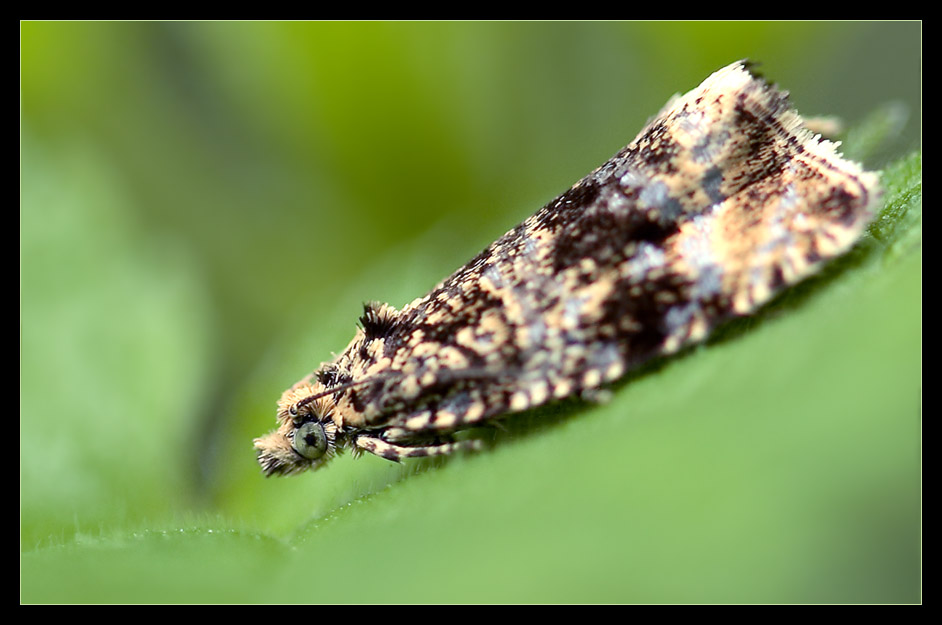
723	200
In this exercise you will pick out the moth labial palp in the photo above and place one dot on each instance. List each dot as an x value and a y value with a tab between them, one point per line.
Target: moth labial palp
723	200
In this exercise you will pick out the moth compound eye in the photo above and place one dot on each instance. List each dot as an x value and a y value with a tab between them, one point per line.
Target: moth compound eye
310	440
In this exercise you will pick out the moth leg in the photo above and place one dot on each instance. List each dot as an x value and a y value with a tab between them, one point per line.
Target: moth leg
393	452
596	395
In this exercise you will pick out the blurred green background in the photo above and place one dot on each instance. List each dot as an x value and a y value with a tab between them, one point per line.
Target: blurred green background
205	206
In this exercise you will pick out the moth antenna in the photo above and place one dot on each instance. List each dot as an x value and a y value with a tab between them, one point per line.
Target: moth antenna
342	387
444	376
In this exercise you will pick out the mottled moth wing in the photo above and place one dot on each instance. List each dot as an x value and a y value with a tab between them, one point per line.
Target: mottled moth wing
720	202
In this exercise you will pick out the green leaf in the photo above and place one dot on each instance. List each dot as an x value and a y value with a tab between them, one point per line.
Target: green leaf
114	351
779	464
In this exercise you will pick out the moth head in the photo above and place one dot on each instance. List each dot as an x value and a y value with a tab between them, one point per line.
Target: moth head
306	437
297	446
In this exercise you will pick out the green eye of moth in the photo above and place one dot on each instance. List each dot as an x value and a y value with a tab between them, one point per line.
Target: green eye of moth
723	200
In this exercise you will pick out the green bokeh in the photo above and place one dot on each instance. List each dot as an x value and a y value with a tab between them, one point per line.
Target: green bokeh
204	207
